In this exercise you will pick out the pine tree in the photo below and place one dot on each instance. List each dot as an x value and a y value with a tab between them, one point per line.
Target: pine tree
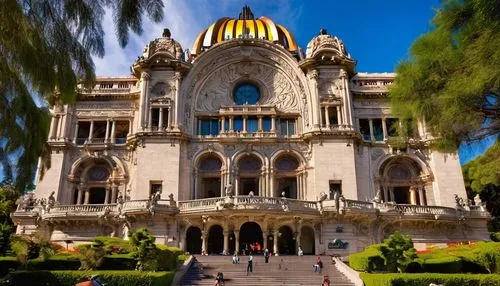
452	79
45	50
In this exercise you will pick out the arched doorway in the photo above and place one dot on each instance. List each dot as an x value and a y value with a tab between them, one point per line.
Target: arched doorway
232	243
208	183
193	240
250	233
249	175
286	175
286	243
215	240
307	240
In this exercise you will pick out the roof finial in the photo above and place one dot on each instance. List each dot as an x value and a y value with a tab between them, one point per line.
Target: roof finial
166	33
246	13
323	31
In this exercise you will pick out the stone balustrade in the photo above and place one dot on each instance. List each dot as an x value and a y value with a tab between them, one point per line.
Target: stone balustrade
250	203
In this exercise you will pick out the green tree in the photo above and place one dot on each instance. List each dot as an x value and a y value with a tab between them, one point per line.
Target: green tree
398	252
45	49
482	176
144	244
8	196
452	79
91	255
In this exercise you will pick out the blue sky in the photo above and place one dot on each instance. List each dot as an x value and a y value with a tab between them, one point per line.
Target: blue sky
377	34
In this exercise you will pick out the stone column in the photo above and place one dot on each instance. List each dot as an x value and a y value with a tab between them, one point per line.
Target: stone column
222	124
297	240
313	82
231	124
275	242
160	120
327	117
60	130
170	118
91	131
413	196
347	97
113	129
391	193
273	123
244	124
150	119
76	132
237	240
204	240
106	199
339	115
81	190
236	184
421	196
182	240
260	125
226	241
53	126
87	197
271	184
386	194
265	234
384	128
143	107
106	136
175	111
114	193
370	122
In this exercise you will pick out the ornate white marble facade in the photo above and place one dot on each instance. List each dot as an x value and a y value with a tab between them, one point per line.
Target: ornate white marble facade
307	159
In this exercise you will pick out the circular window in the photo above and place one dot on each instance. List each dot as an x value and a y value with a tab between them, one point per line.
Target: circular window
246	93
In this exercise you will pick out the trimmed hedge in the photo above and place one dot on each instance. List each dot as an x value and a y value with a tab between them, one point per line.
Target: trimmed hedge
56	262
369	260
443	265
424	279
7	263
168	257
70	278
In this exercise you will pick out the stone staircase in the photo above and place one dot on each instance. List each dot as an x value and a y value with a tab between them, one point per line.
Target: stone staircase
281	270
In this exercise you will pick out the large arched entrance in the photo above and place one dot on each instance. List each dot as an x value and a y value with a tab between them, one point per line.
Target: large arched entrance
286	243
286	173
250	233
193	240
208	182
215	240
307	240
249	175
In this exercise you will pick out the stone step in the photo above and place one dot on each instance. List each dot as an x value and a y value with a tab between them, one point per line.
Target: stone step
282	270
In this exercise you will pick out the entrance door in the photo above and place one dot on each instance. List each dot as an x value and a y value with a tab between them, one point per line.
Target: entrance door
193	240
97	196
402	195
250	233
307	240
215	240
286	243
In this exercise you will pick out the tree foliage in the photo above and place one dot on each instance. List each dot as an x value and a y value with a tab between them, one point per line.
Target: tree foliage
8	196
452	79
144	244
482	176
398	252
45	49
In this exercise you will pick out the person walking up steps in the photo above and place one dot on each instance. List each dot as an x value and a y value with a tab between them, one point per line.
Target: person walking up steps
266	255
250	264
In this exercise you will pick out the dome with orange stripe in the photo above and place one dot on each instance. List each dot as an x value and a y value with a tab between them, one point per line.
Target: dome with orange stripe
246	26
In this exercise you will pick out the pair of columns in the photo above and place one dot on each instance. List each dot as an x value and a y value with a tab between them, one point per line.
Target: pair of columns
160	117
226	233
390	197
326	112
56	127
83	196
109	136
260	124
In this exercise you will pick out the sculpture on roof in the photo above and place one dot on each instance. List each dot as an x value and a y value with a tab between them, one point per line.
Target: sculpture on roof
326	43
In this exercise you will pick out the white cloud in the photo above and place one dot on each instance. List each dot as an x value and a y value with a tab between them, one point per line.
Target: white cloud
185	19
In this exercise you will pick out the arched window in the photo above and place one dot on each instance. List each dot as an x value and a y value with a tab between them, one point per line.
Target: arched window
286	176
209	177
400	182
246	93
249	175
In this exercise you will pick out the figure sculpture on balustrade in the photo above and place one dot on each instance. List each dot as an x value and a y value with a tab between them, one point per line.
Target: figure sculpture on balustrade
51	201
172	202
153	202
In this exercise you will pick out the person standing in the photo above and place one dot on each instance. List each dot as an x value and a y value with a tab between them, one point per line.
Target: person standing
266	255
250	264
300	252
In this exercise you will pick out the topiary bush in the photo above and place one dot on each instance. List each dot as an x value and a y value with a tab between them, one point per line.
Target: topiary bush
91	255
115	245
70	278
443	265
369	260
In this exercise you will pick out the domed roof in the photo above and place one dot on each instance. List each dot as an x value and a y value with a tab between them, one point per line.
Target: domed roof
326	44
244	27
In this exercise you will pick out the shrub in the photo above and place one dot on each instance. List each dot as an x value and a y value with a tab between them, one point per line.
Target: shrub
486	255
115	245
425	279
167	257
56	262
495	236
145	247
70	278
443	265
7	264
33	246
369	260
398	251
119	262
91	255
5	232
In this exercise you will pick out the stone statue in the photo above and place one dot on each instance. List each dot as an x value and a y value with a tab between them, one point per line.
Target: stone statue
322	196
283	194
51	201
477	200
251	194
120	201
459	201
376	199
229	190
153	201
171	200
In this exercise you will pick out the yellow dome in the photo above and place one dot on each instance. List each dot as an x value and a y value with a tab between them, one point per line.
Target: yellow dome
245	26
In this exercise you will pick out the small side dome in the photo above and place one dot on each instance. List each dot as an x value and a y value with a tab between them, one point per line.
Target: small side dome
165	46
326	45
246	26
